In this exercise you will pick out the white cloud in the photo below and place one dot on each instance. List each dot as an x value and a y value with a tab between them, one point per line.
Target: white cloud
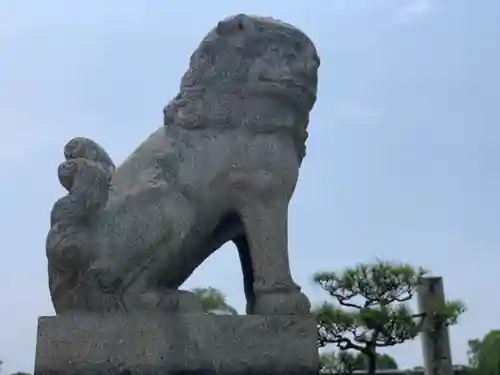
412	9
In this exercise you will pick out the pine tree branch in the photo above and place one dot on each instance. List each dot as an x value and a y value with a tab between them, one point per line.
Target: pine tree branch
343	300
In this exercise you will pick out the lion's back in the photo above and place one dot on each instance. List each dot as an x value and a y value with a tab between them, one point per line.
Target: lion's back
201	164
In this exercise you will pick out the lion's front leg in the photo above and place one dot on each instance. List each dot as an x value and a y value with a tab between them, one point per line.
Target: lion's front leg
266	229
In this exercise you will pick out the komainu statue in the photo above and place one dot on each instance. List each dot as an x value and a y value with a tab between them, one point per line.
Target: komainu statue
222	168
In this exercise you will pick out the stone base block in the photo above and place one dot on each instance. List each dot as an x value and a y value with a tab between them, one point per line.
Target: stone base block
131	344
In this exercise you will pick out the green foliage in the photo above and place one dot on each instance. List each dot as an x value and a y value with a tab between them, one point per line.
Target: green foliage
337	362
381	283
484	355
371	308
467	370
213	300
474	352
452	311
384	362
345	362
15	373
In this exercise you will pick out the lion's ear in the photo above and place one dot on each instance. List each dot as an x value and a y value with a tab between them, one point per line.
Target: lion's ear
232	25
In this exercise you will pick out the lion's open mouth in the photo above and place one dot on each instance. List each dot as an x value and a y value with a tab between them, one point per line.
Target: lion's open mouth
290	88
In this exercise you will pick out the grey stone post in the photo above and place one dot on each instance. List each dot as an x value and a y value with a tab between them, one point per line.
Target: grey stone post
434	335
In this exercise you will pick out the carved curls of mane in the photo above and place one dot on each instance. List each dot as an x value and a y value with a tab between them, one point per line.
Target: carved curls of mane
190	110
205	101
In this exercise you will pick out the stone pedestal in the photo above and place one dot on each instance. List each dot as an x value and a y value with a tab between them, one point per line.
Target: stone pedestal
130	344
434	335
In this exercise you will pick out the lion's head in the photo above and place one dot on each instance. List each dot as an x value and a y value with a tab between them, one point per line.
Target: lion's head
249	71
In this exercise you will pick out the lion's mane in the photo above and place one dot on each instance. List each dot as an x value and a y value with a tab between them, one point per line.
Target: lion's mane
217	91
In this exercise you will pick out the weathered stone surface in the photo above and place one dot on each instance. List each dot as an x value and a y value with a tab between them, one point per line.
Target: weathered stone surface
434	335
167	344
223	168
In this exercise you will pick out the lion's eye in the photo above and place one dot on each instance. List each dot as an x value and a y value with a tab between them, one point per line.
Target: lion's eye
297	47
273	48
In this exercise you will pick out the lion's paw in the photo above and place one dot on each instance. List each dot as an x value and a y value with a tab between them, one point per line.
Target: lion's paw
281	303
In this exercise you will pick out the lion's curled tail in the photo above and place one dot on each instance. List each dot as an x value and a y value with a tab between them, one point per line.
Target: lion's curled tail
86	175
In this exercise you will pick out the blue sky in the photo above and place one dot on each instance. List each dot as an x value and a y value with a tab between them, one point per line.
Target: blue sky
402	157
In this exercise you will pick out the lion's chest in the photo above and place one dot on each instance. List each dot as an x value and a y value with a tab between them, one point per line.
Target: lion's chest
215	169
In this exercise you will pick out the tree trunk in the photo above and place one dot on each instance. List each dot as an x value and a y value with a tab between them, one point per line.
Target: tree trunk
371	358
371	354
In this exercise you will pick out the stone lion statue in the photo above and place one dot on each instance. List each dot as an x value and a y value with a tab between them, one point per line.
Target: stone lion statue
222	168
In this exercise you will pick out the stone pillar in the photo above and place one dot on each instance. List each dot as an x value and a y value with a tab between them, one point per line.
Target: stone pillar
434	335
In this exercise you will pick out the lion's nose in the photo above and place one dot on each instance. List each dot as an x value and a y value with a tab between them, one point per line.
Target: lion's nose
306	69
312	64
